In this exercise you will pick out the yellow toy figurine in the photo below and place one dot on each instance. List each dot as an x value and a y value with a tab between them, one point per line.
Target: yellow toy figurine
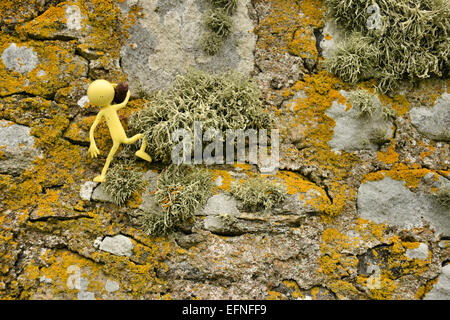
101	93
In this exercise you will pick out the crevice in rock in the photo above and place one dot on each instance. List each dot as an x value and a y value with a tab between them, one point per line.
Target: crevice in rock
75	142
59	218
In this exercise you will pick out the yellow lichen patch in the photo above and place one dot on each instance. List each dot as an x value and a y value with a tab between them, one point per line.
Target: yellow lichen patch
343	289
400	172
104	20
317	128
389	156
287	17
309	193
382	289
274	295
423	290
47	24
12	11
369	230
399	103
56	68
225	178
296	292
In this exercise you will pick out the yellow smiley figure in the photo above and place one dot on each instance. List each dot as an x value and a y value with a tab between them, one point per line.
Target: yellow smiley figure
101	93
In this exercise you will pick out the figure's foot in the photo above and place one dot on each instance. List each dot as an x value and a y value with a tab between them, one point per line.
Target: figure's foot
99	179
143	155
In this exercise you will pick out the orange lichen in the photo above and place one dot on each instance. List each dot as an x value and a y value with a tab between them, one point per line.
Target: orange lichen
321	90
226	179
400	172
389	156
399	103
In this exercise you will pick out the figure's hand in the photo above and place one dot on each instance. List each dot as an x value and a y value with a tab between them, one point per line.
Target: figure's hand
93	150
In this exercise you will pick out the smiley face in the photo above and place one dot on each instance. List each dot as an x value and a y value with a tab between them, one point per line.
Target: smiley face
101	93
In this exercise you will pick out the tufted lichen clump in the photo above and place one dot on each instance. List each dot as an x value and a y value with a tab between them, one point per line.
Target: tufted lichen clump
218	21
367	104
225	101
181	190
443	197
257	193
391	40
122	181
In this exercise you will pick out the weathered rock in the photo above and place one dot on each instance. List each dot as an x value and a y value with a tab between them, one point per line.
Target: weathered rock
148	201
421	252
87	189
111	286
167	41
433	123
17	150
19	59
331	37
38	68
223	224
99	194
63	22
389	201
352	132
220	204
118	245
441	290
309	202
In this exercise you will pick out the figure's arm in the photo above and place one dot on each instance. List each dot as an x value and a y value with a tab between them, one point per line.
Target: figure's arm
124	103
93	150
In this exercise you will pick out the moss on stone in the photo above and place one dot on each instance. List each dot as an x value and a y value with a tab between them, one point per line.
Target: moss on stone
218	21
181	190
211	43
257	194
122	180
224	101
228	5
410	43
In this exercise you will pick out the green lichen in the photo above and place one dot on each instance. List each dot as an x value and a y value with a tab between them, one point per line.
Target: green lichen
181	190
364	102
368	105
122	180
410	43
354	59
257	194
218	22
211	43
443	196
228	5
224	101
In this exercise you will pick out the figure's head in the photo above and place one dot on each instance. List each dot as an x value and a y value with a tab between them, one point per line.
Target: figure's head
101	93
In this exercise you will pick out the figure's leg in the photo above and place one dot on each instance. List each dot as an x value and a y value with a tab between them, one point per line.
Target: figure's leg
141	152
101	178
133	139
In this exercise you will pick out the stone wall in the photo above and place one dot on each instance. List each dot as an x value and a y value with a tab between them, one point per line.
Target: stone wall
362	219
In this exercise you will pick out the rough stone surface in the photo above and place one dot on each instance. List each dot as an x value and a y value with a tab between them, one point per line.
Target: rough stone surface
355	133
331	36
17	147
343	232
421	252
389	201
87	189
220	204
441	290
99	194
19	58
167	41
118	245
111	286
434	122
